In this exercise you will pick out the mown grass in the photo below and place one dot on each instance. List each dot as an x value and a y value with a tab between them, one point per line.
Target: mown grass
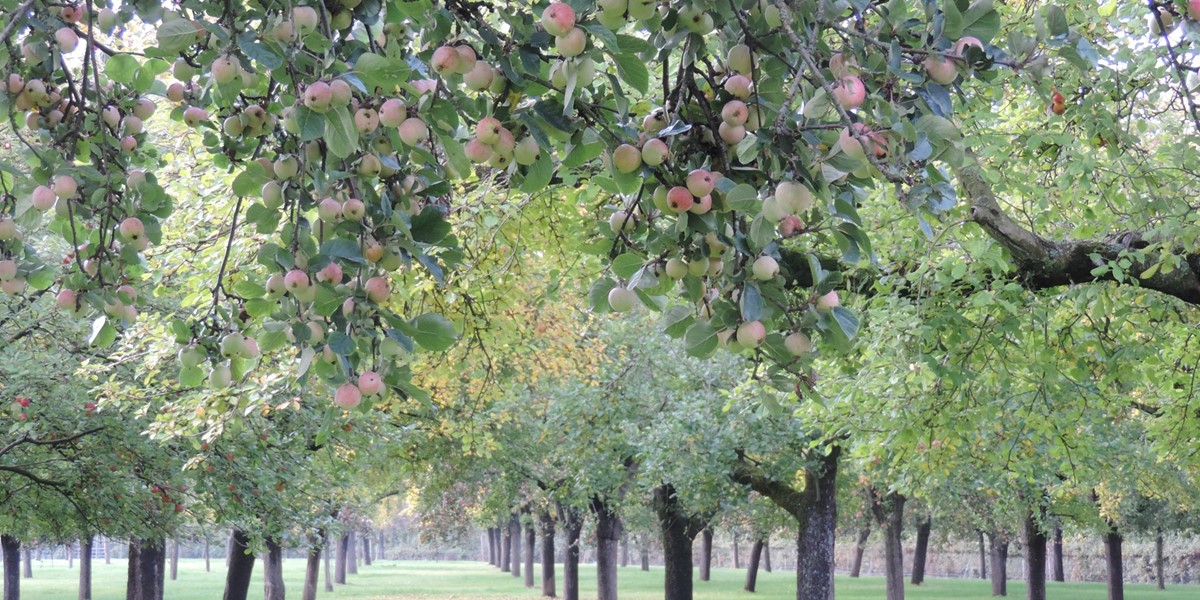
393	580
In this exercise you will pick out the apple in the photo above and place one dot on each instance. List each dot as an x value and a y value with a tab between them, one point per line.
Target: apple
444	60
621	299
340	93
194	115
377	289
347	396
329	210
8	270
128	144
477	151
318	96
43	198
795	197
66	39
676	268
731	134
527	151
66	298
413	130
842	65
739	86
558	18
296	281
622	222
642	10
655	121
655	152
331	273
940	69
627	158
8	228
480	77
853	148
827	302
132	229
488	130
366	120
849	92
739	59
765	268
354	209
225	69
231	345
276	287
700	182
798	344
220	378
370	383
305	18
790	226
751	334
698	267
572	43
960	47
735	112
679	199
392	112
176	92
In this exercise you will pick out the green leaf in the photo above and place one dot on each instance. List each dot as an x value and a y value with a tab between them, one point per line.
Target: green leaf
762	232
981	20
700	340
433	332
430	227
742	198
539	174
632	70
598	295
250	181
122	68
312	125
625	265
191	376
340	134
377	71
103	333
752	303
174	36
677	319
342	249
341	343
258	308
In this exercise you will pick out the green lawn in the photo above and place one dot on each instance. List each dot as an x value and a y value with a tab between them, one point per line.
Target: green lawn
463	580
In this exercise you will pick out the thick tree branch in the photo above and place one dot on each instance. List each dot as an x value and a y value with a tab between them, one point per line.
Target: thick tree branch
795	502
1044	264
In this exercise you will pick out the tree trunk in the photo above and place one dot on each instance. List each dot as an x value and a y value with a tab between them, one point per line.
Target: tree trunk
706	552
889	512
133	582
175	559
816	534
1035	559
491	550
999	564
339	566
351	553
1158	561
766	555
228	552
737	559
548	587
85	568
678	532
312	567
645	559
380	547
70	556
530	543
506	549
514	529
859	547
325	544
273	588
574	526
1056	566
608	539
1115	563
241	567
28	572
366	549
625	549
147	562
752	568
207	561
11	547
983	572
107	555
921	551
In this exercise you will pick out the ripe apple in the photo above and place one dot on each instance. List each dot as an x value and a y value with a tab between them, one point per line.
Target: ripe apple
828	302
340	93
655	152
621	299
676	268
739	60
849	92
225	69
305	18
66	39
296	281
572	43
853	148
444	60
8	270
64	186
467	59
1193	9
366	120
700	182
558	18
960	47
731	134
132	229
370	383
735	112
795	197
318	96
842	65
65	299
347	396
43	198
655	121
413	130
940	69
354	209
377	289
331	273
329	210
392	112
739	86
622	222
193	116
679	199
488	130
702	205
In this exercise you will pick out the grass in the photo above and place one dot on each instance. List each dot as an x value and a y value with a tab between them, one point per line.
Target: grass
411	580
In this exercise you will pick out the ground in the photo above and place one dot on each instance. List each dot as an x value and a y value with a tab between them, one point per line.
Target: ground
392	580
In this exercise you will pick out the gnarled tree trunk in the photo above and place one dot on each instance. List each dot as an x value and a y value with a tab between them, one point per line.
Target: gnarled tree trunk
530	543
351	553
241	567
548	585
859	547
889	513
573	527
147	566
608	539
706	554
999	547
1035	559
312	566
766	555
1056	566
339	563
273	588
1115	563
679	530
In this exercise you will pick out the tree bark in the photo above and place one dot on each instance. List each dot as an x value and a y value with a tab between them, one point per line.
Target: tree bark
530	543
737	559
1035	559
273	588
573	526
999	547
706	553
625	549
1158	561
608	538
325	545
351	553
752	568
1115	563
1056	566
983	571
339	566
11	547
147	565
28	572
679	530
514	529
859	547
207	560
815	511
228	551
889	513
85	567
506	549
366	549
921	551
548	585
175	559
766	555
645	559
133	582
241	567
312	567
491	550
107	555
70	548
